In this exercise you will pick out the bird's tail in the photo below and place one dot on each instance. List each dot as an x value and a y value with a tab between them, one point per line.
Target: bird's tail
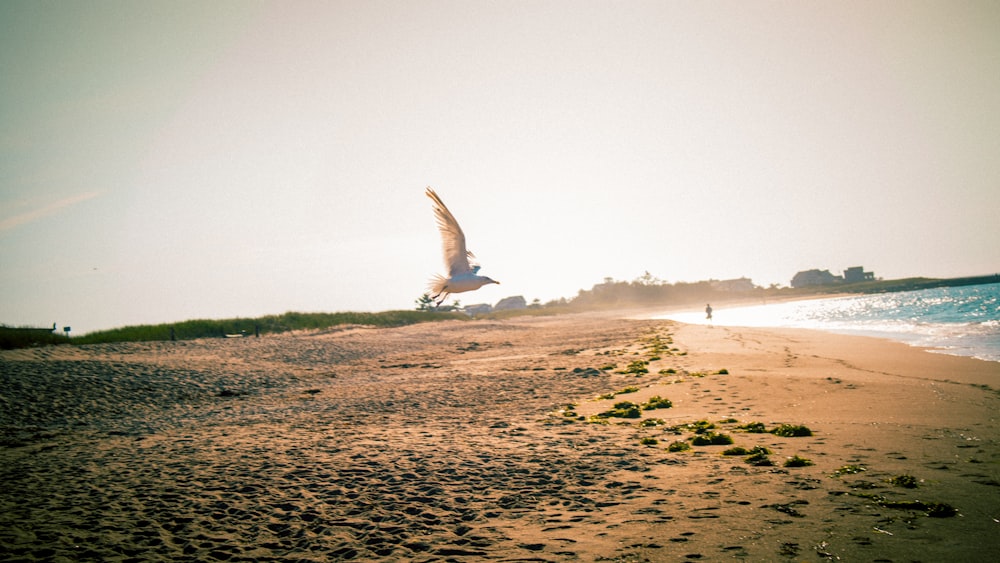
436	285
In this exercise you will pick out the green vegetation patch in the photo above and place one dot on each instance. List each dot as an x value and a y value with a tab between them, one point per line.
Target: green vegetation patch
796	461
791	431
678	446
699	426
649	422
736	450
753	427
649	441
568	410
711	439
271	324
759	457
657	346
637	367
17	337
905	481
657	402
613	394
623	409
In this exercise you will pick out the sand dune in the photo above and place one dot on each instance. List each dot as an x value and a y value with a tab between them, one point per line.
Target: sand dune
466	441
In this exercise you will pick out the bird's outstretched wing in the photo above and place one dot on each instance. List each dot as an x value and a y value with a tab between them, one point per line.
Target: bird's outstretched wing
456	256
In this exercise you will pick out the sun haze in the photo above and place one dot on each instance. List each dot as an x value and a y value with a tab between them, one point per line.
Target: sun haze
165	161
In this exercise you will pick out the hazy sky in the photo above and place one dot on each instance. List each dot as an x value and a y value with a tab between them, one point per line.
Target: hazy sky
172	160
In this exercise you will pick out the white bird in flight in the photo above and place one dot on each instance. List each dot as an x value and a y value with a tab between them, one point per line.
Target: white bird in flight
462	276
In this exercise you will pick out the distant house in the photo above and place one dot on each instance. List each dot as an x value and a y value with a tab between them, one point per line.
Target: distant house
477	309
854	274
734	286
515	302
807	278
858	274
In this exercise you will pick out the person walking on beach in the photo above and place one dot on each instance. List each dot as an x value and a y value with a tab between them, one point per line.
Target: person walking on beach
708	311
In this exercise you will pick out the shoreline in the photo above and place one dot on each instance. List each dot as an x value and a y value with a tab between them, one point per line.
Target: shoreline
938	340
452	439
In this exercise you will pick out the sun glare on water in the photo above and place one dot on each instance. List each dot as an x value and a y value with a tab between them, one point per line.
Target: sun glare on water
774	315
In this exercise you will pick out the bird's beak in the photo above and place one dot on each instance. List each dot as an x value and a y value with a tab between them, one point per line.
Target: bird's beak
496	282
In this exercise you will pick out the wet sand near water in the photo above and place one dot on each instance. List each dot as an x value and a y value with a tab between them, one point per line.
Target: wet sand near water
474	441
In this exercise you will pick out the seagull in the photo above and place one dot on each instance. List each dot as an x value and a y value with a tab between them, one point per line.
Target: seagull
462	276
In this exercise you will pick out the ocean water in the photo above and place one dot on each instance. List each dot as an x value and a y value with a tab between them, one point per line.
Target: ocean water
963	321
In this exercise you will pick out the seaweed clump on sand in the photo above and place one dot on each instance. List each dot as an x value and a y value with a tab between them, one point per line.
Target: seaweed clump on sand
791	431
753	427
796	461
699	426
657	402
611	395
711	439
678	446
905	481
759	457
568	410
623	409
931	509
637	367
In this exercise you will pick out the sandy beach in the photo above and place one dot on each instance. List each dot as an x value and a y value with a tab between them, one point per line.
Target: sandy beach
485	440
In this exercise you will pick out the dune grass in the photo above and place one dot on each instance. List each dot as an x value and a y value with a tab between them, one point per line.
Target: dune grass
22	337
270	324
